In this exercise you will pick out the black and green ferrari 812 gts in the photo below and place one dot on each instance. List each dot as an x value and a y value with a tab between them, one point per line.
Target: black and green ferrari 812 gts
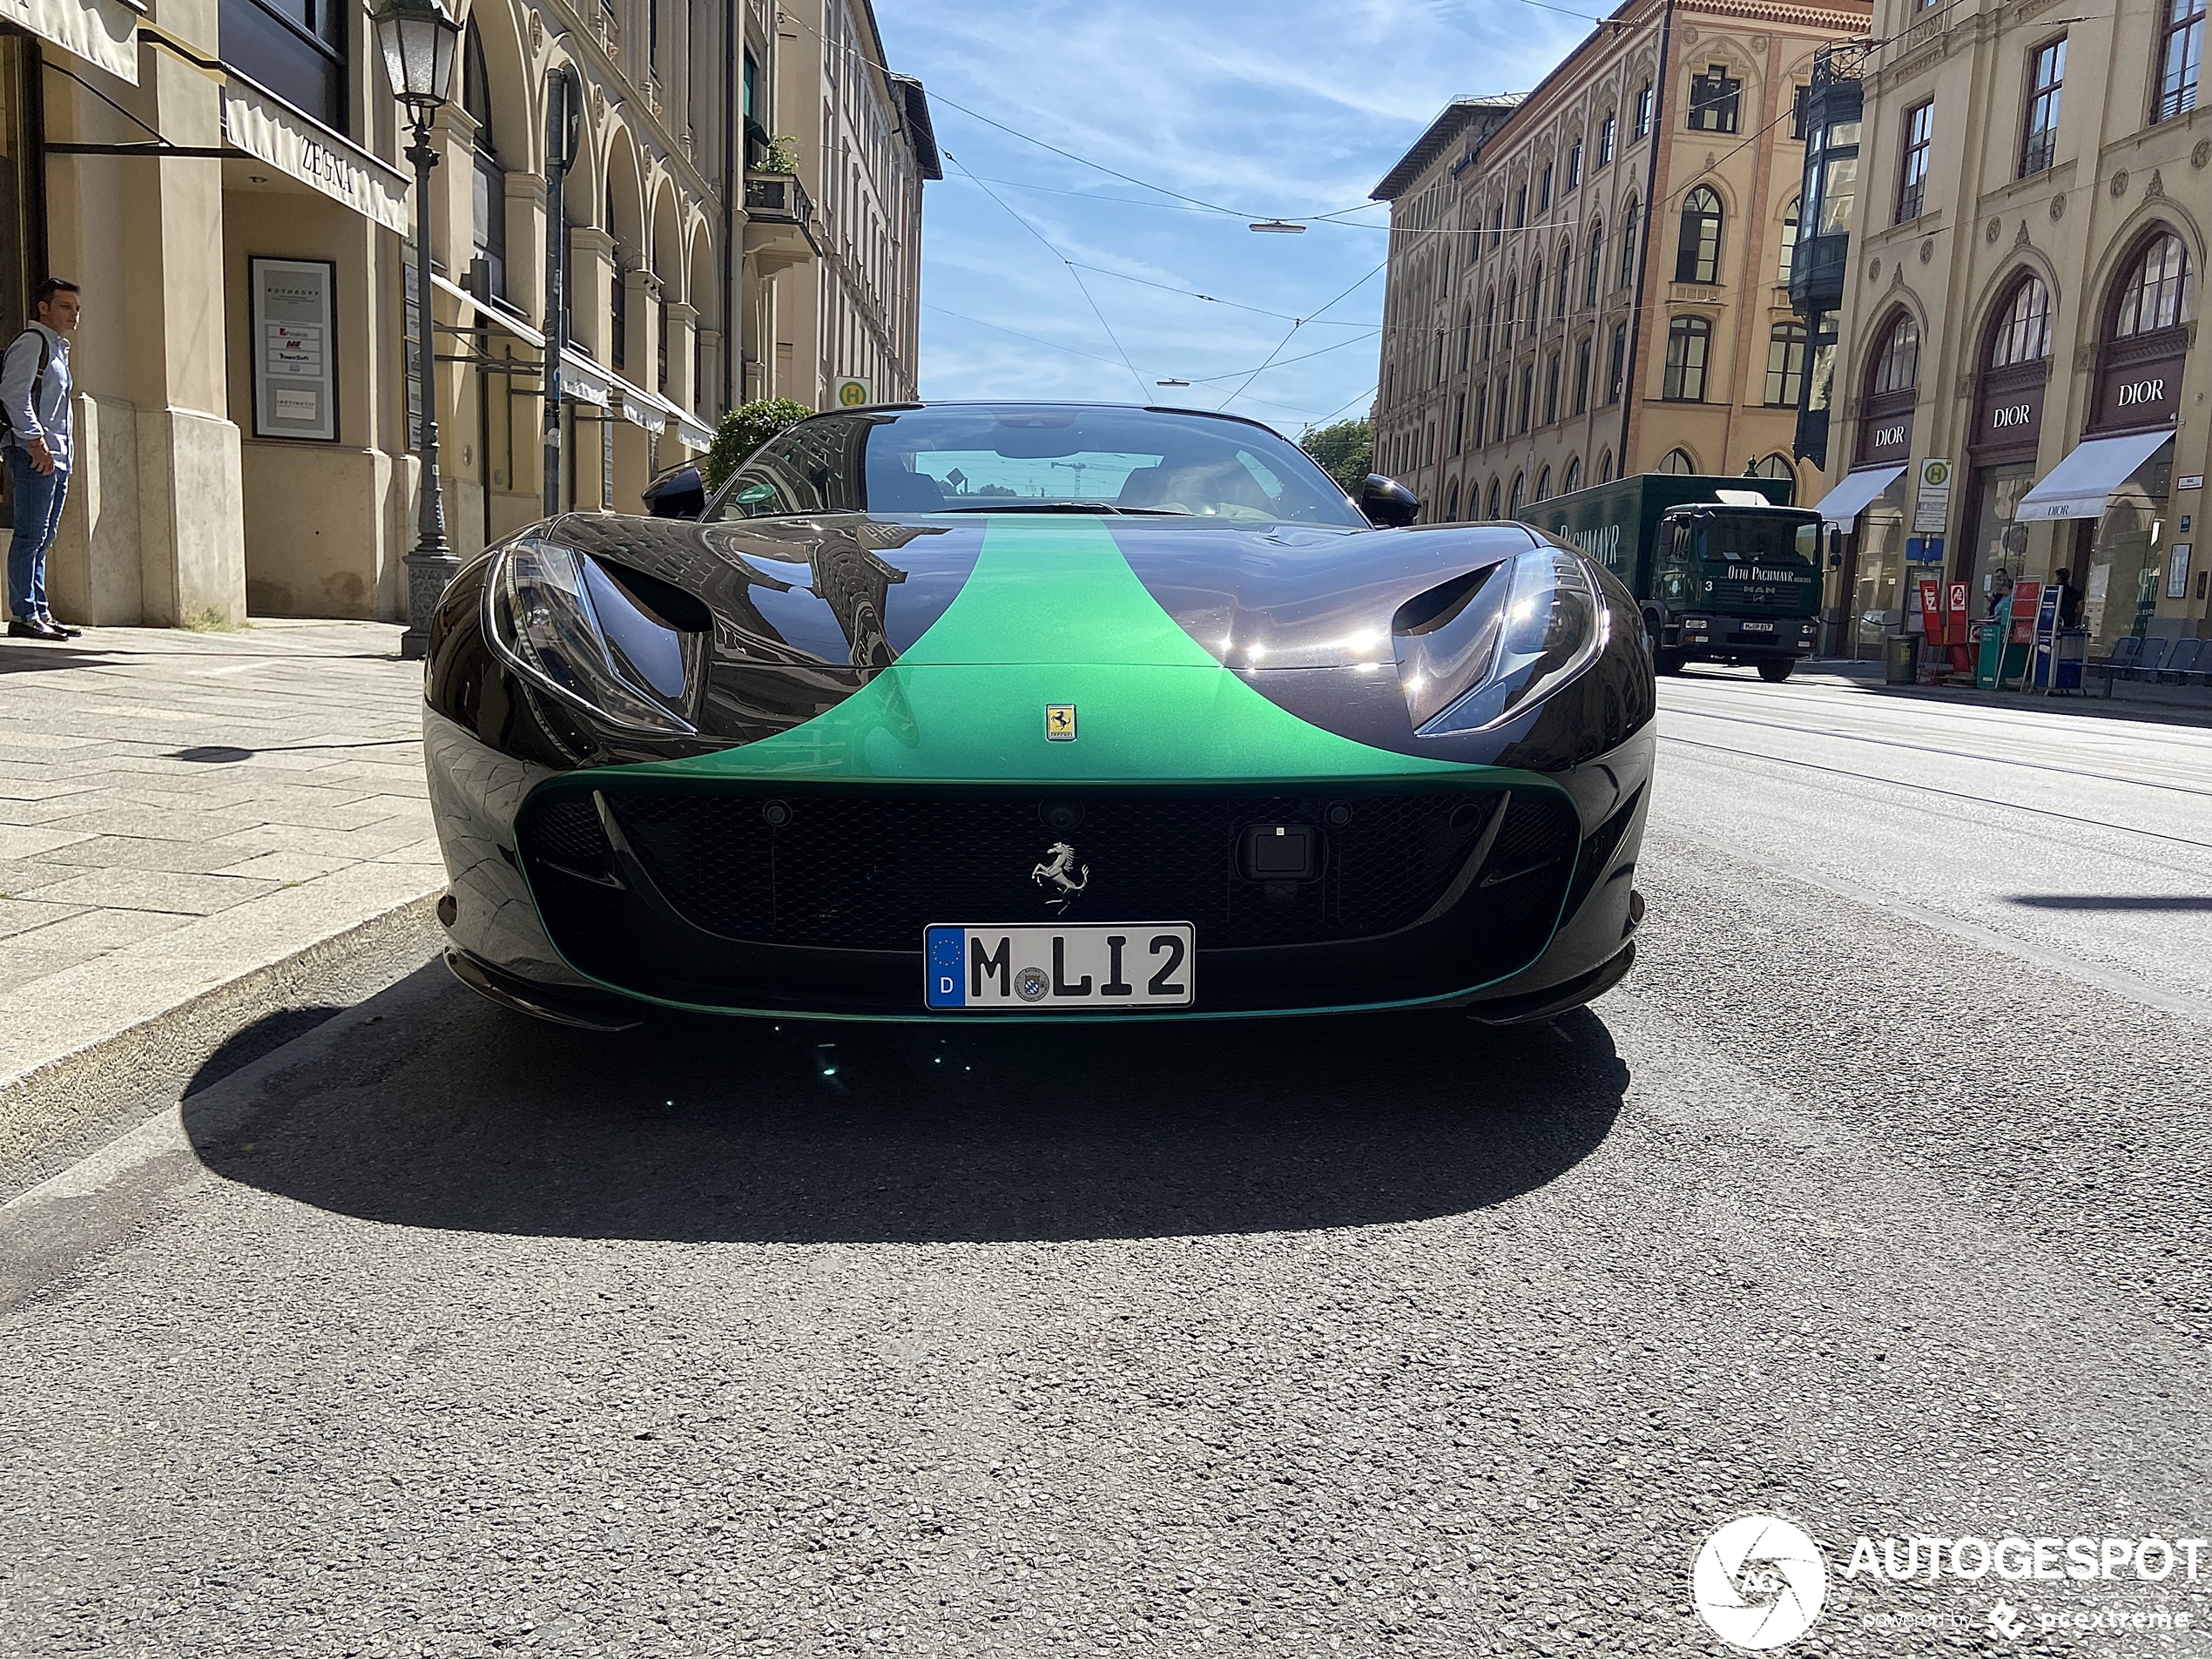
1017	711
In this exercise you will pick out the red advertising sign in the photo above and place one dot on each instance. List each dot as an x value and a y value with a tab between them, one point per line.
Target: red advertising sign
2026	596
1932	610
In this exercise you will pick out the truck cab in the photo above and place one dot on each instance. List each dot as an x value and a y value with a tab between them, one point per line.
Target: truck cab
1733	582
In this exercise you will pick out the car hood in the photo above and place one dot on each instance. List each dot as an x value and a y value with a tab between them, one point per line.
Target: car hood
844	596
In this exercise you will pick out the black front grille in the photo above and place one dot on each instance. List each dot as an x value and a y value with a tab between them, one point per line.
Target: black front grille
870	871
747	897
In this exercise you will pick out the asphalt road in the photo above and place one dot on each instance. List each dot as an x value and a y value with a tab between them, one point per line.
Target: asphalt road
1876	1201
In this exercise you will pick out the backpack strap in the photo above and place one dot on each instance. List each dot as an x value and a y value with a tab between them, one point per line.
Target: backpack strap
37	380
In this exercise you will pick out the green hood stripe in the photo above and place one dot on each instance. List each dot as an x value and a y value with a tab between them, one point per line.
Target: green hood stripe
1053	614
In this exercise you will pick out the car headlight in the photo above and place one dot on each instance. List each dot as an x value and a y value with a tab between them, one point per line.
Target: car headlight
561	620
1525	632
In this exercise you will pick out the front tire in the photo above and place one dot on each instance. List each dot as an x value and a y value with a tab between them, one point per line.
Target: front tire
1775	673
1670	662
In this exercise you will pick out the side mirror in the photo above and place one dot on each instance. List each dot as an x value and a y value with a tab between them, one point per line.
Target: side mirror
677	493
1388	503
1835	561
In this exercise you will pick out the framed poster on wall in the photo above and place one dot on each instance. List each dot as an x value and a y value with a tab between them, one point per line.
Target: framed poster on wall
295	348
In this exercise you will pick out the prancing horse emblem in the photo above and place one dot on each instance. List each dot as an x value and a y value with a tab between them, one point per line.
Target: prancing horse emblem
1059	858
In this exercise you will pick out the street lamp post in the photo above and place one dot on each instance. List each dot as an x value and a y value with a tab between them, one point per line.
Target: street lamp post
419	38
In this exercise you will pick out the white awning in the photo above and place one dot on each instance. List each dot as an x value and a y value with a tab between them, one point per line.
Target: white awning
584	382
2080	486
487	312
641	408
1853	491
264	126
102	33
692	434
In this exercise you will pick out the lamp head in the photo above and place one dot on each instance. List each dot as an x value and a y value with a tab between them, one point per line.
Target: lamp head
419	40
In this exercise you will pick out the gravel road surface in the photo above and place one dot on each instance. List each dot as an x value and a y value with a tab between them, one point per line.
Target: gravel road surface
1876	1201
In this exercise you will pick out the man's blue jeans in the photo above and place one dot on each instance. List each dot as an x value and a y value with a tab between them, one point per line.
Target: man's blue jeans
38	517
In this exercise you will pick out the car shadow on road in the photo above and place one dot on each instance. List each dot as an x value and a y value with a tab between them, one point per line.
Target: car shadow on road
476	1120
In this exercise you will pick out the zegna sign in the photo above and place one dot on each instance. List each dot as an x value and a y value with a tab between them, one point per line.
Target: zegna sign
265	126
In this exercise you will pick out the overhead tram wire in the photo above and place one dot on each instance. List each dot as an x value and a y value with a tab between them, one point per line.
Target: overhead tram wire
1300	323
1085	288
1131	179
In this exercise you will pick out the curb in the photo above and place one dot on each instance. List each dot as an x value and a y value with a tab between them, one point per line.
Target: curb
65	1102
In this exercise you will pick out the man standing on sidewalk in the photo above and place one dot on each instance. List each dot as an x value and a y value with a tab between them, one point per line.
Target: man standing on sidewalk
35	406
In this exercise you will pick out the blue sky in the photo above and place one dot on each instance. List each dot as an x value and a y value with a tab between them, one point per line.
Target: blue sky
1283	108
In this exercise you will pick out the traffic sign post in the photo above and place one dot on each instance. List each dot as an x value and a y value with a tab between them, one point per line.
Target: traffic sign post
853	394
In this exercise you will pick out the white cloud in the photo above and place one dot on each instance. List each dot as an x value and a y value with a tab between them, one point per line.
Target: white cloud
1267	106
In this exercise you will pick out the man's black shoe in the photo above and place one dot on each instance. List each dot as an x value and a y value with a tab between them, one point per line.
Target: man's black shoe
33	630
63	628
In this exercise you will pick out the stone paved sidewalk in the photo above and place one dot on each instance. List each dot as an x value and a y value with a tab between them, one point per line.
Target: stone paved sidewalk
177	810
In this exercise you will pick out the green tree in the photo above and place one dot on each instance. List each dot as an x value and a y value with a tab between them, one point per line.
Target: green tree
1345	451
745	429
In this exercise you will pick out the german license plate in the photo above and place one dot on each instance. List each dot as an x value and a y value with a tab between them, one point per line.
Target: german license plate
1101	967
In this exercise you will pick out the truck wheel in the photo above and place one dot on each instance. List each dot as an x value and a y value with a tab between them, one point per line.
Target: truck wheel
1670	662
1775	673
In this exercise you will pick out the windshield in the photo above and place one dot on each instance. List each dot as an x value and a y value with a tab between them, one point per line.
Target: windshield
1770	538
1034	459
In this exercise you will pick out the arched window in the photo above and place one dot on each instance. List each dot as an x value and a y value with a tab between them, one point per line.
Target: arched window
1452	501
1605	467
1897	361
1607	130
2157	291
1513	498
1544	484
1535	295
1697	254
1573	481
1489	321
1777	466
1677	463
1436	377
1467	338
1566	281
1492	513
1690	341
1512	299
1786	365
1595	271
1790	216
2023	331
490	183
1628	271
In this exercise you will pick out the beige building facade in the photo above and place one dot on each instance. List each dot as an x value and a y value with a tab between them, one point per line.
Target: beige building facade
848	306
1591	279
228	181
2033	204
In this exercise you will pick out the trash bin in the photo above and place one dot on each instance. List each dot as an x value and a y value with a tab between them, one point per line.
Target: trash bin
1900	658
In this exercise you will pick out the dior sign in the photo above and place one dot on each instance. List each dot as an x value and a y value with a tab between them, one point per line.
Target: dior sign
2140	394
2011	415
2136	393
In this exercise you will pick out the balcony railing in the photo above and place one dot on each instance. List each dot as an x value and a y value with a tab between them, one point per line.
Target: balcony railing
777	198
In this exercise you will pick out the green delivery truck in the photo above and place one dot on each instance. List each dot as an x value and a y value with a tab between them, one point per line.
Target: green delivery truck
1724	569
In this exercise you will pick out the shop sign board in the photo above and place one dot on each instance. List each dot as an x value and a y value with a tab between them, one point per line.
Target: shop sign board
2178	572
1885	437
295	357
1931	505
2027	598
2139	395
